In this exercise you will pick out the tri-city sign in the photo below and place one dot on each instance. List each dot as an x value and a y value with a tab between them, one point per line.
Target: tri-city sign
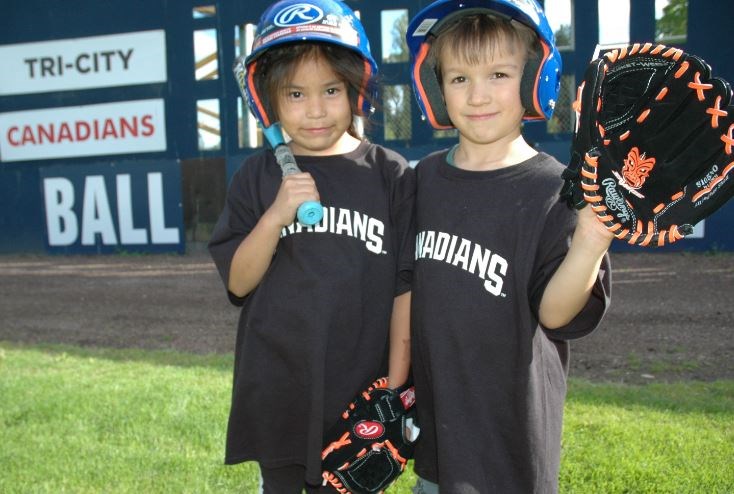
84	63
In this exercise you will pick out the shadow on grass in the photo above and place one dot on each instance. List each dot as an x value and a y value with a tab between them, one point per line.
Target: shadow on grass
222	362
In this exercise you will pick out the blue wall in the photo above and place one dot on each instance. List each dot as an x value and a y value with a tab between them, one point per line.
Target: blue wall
23	218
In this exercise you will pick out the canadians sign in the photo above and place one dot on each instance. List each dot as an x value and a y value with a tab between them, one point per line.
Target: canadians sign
83	63
89	130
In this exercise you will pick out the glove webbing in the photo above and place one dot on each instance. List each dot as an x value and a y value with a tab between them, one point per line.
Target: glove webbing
363	456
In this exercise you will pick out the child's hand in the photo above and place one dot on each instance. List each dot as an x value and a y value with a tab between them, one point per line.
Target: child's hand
591	231
294	190
571	285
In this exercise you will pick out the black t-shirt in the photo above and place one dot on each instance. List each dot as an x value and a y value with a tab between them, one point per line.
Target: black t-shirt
490	382
314	332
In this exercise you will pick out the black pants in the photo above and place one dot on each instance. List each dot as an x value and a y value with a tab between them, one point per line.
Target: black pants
289	480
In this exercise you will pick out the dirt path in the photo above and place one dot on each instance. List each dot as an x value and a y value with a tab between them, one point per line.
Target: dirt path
671	316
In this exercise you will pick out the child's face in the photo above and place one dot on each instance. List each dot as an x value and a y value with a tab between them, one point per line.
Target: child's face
483	100
314	110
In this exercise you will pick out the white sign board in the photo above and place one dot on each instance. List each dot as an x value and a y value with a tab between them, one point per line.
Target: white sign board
83	63
111	128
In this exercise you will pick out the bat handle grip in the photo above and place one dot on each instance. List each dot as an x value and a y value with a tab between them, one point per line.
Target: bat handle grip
310	213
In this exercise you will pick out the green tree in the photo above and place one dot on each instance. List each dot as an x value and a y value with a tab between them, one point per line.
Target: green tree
396	98
563	36
397	112
674	22
399	49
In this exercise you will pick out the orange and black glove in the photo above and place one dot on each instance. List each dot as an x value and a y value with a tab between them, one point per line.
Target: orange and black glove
653	150
369	446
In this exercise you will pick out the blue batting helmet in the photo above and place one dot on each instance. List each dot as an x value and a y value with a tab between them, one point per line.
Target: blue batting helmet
294	21
541	78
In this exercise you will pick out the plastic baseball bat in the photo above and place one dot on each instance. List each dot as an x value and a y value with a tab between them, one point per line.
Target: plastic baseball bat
310	212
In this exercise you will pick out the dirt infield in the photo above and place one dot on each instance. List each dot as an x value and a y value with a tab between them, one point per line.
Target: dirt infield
671	318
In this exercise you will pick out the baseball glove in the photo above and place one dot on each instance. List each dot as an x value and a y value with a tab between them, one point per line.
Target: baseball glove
368	448
652	150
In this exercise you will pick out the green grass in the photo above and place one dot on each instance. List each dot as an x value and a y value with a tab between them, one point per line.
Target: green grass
116	421
657	438
87	421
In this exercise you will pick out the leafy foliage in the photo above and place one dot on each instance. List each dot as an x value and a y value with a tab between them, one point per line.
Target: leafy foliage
674	22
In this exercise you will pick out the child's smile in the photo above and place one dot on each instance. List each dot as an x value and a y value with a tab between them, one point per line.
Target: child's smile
483	100
315	112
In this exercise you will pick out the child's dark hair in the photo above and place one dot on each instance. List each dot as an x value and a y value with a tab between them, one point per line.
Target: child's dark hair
277	66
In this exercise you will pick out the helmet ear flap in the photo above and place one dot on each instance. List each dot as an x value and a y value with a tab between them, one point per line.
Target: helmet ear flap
428	88
528	86
258	105
543	70
367	93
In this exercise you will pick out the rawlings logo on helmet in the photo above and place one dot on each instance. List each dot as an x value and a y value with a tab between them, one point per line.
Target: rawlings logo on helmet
298	14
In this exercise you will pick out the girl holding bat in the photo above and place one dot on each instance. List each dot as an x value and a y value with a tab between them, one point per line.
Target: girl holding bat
325	307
